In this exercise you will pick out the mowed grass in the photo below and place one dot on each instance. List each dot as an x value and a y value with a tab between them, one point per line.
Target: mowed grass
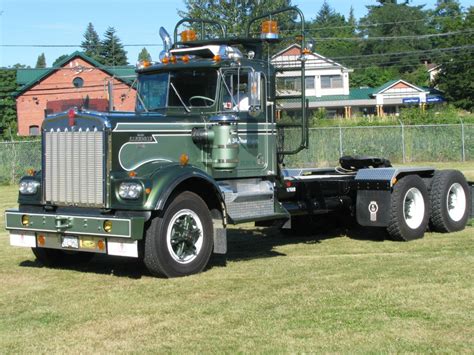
334	291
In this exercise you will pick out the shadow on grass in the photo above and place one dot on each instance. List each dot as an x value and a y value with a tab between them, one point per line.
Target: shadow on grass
102	264
243	244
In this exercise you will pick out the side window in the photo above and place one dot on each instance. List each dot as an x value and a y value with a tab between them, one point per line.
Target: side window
235	91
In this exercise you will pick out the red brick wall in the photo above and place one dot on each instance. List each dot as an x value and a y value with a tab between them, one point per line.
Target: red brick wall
31	105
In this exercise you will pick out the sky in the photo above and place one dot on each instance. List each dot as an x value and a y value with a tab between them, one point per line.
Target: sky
53	22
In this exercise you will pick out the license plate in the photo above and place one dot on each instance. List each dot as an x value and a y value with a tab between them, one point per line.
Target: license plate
69	241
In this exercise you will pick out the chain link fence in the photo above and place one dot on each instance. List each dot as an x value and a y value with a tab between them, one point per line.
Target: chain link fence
400	144
16	158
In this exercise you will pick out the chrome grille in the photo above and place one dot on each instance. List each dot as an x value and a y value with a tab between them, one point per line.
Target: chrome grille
74	168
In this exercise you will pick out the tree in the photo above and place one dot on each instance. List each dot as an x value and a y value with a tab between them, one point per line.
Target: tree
8	123
395	20
112	52
235	14
456	77
91	43
330	25
59	59
144	55
41	61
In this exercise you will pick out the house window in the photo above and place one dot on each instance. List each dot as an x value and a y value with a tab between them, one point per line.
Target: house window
294	83
78	82
34	131
331	82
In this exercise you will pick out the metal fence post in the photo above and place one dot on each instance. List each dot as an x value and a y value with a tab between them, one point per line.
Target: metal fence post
340	141
463	141
403	141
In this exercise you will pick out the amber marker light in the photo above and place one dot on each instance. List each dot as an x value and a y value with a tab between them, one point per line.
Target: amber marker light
185	58
306	51
216	58
132	174
173	59
31	172
101	244
188	35
41	240
25	220
165	60
269	29
184	159
148	191
108	226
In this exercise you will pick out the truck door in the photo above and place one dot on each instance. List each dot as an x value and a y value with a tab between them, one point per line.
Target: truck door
254	127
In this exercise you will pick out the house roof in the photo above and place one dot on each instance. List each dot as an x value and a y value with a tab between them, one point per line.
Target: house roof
392	83
295	50
31	77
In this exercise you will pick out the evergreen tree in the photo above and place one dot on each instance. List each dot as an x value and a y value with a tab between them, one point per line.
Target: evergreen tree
8	124
112	52
388	17
59	59
144	55
41	61
329	25
456	77
234	14
91	43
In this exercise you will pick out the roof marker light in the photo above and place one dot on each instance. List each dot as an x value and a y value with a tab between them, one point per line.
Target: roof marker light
188	36
269	29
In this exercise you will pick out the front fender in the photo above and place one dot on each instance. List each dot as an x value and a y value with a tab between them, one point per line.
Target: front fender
167	179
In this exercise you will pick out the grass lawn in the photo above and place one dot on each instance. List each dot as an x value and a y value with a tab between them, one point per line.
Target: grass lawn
336	291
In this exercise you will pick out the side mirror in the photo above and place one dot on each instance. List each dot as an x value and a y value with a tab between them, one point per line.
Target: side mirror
255	97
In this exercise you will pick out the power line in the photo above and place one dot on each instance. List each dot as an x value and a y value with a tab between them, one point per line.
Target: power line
70	45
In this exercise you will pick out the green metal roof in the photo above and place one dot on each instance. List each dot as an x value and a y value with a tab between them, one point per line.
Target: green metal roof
354	94
31	77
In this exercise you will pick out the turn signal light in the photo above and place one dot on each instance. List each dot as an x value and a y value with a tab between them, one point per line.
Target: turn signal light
101	245
217	58
108	226
25	220
41	240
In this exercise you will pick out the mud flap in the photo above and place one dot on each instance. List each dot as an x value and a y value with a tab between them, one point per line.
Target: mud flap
220	236
373	208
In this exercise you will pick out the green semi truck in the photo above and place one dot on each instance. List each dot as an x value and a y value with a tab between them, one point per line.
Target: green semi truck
205	149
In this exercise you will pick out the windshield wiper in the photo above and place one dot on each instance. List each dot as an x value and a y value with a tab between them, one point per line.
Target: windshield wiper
179	97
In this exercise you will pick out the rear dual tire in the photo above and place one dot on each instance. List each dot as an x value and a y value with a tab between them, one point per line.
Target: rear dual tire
450	197
410	209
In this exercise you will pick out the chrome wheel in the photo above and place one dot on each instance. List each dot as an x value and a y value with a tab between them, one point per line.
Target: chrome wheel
413	208
184	236
456	202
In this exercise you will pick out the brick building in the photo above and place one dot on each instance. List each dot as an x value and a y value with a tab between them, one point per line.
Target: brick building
77	81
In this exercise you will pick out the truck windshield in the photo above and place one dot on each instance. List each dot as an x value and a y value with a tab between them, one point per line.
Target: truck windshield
190	88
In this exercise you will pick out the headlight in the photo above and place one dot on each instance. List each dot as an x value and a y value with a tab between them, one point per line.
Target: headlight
130	190
29	187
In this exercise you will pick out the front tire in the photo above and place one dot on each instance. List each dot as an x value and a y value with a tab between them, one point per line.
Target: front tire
180	242
410	209
449	196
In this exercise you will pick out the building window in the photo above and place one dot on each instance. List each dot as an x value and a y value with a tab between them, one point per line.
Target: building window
294	83
78	82
34	131
331	82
